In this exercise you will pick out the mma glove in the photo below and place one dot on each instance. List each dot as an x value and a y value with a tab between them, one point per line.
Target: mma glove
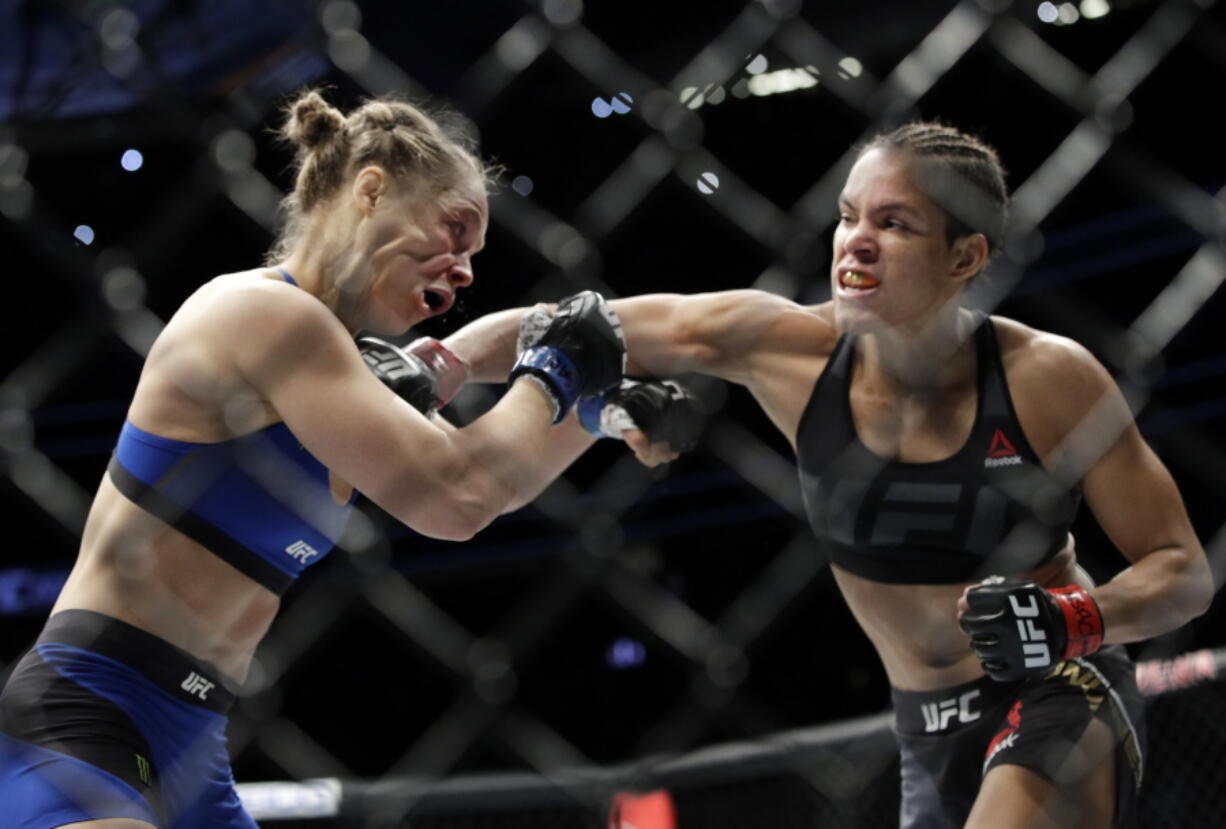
1019	629
424	373
576	350
663	410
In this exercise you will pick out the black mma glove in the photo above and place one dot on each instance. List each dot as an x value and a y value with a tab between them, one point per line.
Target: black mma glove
578	350
1019	629
662	409
424	373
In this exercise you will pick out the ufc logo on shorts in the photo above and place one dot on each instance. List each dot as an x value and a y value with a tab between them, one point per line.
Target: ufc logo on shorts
1035	652
197	685
301	551
938	714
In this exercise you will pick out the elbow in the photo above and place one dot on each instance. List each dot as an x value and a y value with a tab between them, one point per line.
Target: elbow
458	509
1204	596
1197	578
461	516
454	500
447	516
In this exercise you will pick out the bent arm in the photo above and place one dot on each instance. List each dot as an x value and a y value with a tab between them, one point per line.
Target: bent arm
1169	582
443	483
1138	505
567	442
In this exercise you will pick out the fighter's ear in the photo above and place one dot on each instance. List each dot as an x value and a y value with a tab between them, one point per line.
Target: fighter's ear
971	253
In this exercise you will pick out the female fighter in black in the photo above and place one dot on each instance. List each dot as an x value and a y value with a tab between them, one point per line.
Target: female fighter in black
940	450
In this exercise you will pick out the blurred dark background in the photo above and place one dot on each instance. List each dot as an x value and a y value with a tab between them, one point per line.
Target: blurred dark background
630	611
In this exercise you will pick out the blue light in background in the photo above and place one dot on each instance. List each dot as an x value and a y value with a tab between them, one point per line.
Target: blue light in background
625	653
84	234
132	160
23	590
522	185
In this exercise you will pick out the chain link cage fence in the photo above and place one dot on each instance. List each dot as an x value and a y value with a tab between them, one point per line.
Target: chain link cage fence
633	630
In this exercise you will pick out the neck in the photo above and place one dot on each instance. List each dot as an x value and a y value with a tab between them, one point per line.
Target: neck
924	358
324	269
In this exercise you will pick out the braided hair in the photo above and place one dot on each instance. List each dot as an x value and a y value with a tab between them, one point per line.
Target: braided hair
961	173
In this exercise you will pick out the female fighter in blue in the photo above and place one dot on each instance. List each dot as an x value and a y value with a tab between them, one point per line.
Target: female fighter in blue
942	456
255	419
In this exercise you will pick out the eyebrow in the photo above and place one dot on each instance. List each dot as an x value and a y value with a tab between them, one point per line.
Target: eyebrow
471	217
899	206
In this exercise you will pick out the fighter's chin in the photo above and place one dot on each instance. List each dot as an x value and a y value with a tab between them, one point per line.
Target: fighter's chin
857	321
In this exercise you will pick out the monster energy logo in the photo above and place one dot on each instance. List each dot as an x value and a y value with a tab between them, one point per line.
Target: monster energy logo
143	769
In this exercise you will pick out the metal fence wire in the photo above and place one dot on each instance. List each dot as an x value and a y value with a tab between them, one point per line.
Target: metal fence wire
628	613
843	774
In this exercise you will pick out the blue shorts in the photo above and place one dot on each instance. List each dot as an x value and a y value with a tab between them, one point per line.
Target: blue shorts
952	737
103	720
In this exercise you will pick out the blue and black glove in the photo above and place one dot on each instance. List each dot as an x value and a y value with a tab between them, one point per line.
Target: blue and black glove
577	350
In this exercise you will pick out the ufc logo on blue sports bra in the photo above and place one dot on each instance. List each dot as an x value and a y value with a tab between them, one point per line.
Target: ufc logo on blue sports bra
301	551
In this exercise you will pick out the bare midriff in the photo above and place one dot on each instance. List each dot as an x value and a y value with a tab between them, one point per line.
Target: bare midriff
135	568
914	627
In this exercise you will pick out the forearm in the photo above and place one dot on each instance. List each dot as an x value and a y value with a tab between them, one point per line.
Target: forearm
567	442
502	458
1165	589
487	345
661	332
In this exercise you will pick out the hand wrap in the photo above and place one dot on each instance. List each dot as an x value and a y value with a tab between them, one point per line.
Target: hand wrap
1018	629
664	410
424	373
580	351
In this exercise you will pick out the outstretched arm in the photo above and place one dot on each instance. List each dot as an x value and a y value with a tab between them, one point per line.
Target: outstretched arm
723	334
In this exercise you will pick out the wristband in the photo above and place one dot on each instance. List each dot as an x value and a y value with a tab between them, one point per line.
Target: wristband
555	371
588	409
448	370
1082	620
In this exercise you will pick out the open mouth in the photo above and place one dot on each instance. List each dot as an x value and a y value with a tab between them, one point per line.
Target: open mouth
435	300
857	281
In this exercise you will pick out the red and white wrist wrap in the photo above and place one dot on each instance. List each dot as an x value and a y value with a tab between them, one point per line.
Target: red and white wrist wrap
447	369
1082	620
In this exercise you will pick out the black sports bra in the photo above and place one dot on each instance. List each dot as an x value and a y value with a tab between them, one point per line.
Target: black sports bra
989	509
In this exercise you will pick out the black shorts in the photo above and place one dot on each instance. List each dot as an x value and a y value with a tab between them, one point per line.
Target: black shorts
949	739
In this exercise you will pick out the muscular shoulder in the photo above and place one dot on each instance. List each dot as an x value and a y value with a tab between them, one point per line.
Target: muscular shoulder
1055	382
236	313
233	334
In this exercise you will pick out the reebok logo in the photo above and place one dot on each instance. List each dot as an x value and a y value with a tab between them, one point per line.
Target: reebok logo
1006	738
301	551
196	685
1001	452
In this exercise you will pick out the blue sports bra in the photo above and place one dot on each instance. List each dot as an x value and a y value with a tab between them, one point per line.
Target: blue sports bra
991	508
260	502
